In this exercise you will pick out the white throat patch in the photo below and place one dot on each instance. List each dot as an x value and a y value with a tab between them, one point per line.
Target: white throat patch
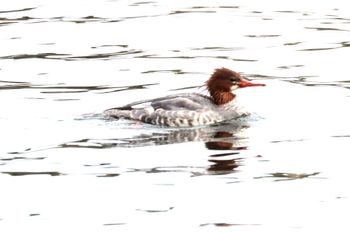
234	87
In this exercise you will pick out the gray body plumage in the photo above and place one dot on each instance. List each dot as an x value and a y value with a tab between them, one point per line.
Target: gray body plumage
182	110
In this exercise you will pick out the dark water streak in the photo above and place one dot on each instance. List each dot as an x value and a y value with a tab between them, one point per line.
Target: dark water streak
50	173
62	88
18	10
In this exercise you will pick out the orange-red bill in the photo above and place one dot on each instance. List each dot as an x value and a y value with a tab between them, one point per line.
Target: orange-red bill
246	83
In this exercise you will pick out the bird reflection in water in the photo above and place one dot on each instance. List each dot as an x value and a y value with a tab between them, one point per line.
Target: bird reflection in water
223	166
152	136
216	138
224	140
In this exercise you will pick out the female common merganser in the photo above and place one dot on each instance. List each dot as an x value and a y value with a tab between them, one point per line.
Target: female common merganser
192	109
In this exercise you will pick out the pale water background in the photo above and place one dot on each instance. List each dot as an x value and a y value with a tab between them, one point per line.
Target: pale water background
65	168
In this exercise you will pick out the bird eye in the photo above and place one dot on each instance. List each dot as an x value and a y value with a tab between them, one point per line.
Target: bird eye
234	81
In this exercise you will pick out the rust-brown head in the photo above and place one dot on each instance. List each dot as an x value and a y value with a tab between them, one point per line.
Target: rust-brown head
223	81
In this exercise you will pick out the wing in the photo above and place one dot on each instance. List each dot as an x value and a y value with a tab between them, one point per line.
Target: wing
171	102
182	102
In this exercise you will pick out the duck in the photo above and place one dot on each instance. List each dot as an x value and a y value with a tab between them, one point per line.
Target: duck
190	109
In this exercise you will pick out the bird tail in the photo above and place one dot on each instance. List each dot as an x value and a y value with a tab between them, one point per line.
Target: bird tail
117	113
134	114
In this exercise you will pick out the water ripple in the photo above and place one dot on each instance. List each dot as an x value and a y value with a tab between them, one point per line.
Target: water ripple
63	88
93	19
155	211
226	224
20	158
37	55
70	57
285	176
50	173
114	224
18	10
326	29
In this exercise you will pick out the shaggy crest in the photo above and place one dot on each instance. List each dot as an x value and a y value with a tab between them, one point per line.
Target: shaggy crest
220	83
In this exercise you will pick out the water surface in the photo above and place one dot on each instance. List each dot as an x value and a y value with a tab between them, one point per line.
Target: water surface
63	166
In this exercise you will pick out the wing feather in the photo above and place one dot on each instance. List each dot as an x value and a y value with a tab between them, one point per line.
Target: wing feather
170	102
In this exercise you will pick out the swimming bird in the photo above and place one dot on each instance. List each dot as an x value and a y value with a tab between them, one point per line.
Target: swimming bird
190	109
